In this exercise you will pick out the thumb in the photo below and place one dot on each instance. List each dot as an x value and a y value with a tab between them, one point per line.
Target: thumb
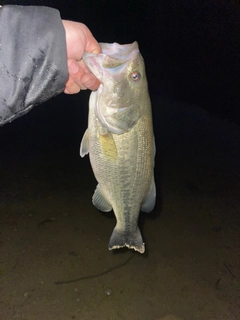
92	46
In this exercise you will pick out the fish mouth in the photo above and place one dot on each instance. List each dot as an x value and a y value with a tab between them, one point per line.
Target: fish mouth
113	59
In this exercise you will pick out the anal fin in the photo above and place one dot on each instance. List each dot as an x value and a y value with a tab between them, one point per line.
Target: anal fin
149	202
100	202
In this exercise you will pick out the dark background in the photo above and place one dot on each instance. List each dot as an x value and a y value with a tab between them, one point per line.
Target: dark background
191	51
191	48
192	56
191	267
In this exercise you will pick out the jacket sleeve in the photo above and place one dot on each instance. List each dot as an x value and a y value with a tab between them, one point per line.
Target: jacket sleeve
33	62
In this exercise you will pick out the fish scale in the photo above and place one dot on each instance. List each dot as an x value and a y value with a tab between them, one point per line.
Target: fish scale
120	142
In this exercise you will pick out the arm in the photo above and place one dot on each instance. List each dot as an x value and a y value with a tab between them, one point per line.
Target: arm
40	56
33	59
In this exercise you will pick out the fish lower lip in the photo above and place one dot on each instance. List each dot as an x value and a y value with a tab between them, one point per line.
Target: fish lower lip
117	106
122	108
117	109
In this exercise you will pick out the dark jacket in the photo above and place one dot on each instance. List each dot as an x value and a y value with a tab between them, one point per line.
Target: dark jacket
33	62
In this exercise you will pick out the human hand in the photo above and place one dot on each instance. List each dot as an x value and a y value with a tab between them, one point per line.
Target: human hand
79	39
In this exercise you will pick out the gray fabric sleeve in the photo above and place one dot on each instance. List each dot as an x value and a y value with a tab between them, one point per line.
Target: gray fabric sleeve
33	62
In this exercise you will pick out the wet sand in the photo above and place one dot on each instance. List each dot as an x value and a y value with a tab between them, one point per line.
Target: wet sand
54	261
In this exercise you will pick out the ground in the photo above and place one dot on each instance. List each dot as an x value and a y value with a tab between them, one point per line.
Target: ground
54	261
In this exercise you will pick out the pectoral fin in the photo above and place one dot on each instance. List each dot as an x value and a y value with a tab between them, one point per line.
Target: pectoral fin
149	203
100	202
84	147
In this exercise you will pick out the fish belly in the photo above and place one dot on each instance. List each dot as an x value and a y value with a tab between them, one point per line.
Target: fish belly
123	166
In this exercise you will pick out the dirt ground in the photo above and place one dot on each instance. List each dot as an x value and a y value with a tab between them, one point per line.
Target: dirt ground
54	261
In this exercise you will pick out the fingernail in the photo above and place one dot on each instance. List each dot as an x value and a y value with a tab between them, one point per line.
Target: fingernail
73	66
96	50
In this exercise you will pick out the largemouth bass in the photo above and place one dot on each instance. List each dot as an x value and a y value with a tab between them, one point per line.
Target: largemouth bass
120	140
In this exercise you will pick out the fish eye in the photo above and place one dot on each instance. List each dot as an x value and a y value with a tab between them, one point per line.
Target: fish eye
135	76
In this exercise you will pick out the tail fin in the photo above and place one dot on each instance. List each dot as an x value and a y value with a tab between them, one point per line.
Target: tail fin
131	240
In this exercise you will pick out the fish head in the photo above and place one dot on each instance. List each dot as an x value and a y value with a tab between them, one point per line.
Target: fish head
123	92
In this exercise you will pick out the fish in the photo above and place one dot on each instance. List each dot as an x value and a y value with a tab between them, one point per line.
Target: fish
120	140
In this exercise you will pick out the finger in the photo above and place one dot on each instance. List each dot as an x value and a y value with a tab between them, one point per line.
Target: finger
76	69
75	74
83	77
92	45
71	87
73	66
83	66
89	81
